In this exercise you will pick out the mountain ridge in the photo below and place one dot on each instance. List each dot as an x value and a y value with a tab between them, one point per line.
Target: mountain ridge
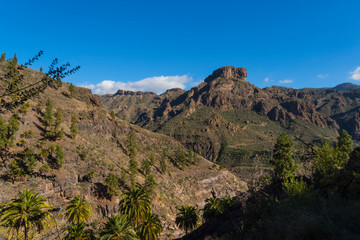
226	97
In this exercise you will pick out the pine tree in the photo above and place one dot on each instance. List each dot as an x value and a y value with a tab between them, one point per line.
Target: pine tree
152	160
112	184
3	133
191	155
29	159
41	69
133	166
56	132
3	57
12	128
73	126
72	90
14	60
181	157
59	118
145	167
48	115
59	156
7	131
285	166
52	149
327	164
345	146
123	176
150	184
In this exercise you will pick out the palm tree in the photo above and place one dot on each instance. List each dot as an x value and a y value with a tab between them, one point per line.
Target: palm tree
216	206
135	204
150	228
118	227
226	202
78	210
212	208
187	218
78	232
25	214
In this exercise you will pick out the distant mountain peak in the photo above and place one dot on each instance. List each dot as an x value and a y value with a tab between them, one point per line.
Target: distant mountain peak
346	86
228	72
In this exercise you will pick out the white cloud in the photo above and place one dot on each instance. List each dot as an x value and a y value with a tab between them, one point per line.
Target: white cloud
322	75
155	84
355	75
286	81
268	80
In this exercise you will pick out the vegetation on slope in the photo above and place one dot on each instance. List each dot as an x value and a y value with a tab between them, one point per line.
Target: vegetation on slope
61	157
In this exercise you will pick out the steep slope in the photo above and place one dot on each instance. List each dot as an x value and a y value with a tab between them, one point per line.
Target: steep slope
231	121
100	148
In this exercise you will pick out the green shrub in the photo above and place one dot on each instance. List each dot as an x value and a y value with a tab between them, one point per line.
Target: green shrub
294	188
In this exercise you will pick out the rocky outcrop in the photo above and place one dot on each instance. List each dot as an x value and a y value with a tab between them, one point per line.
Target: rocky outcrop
228	72
350	121
85	95
280	114
307	112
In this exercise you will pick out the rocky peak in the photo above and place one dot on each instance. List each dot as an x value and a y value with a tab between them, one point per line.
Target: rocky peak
228	72
175	90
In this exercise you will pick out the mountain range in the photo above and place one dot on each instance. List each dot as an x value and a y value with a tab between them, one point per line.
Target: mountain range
232	122
225	119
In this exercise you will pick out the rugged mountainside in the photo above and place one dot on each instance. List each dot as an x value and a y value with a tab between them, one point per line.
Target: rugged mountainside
228	119
100	148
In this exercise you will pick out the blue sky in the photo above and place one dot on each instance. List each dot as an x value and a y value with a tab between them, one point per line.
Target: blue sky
152	45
